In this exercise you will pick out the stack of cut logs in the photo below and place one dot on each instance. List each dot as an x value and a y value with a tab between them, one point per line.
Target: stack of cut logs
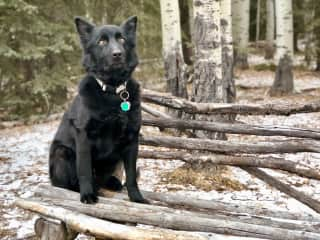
181	217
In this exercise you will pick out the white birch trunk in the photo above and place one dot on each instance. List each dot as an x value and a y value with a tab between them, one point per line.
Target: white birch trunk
269	49
227	49
208	52
283	83
172	47
284	21
207	84
241	17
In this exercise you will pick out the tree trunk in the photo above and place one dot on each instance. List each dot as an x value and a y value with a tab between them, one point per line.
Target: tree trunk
207	84
317	35
308	33
269	48
187	48
240	21
172	50
258	21
227	50
283	83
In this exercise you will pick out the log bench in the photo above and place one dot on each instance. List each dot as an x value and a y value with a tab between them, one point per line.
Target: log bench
170	217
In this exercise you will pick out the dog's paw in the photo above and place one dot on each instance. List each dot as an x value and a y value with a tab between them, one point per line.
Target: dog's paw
88	194
137	197
88	198
113	184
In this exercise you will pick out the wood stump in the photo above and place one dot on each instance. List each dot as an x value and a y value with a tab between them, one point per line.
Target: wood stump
52	230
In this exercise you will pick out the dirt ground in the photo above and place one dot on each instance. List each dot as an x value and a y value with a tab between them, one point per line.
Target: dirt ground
24	154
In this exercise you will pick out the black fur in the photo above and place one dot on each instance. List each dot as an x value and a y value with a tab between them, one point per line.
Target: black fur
95	134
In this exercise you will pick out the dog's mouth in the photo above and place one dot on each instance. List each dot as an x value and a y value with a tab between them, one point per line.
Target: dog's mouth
117	65
114	66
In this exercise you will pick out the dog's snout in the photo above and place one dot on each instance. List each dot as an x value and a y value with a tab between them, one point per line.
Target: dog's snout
116	54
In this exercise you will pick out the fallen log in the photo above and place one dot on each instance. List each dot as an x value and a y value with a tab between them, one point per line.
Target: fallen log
234	128
210	207
124	211
248	161
113	198
298	195
180	220
154	112
102	228
228	147
229	108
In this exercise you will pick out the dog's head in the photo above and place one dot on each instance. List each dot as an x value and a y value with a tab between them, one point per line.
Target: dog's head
109	50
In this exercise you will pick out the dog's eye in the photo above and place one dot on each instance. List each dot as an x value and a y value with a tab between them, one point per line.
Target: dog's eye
121	40
103	42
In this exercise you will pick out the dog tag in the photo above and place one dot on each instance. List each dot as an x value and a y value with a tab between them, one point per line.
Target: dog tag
125	106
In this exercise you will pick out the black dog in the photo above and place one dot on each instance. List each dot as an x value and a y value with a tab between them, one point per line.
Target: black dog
101	127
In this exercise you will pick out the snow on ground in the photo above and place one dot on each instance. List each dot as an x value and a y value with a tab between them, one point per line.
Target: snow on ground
24	154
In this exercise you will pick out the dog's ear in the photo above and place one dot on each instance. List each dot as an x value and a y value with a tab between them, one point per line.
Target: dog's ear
84	29
129	29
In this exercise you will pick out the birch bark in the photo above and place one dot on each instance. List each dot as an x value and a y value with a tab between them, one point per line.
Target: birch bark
207	85
240	21
227	50
172	49
283	83
269	48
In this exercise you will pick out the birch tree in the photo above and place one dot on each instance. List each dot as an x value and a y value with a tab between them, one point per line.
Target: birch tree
207	83
283	83
227	50
240	21
269	48
172	49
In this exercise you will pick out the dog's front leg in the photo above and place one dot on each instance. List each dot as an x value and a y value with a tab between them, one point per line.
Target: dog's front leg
84	168
130	155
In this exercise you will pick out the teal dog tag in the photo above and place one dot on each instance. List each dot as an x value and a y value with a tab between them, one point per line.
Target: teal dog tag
125	106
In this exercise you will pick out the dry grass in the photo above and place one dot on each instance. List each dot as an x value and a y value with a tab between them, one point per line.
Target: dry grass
204	177
2	159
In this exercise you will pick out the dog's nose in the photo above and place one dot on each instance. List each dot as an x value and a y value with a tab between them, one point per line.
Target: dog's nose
116	54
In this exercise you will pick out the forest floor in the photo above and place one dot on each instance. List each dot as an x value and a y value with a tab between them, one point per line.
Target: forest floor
24	157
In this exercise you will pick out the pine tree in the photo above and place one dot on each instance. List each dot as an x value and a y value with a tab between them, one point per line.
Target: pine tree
40	55
36	46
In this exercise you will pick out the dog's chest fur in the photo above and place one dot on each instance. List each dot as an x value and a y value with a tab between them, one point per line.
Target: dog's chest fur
108	127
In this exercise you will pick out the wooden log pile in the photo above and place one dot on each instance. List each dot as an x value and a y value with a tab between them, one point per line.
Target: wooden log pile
172	216
177	216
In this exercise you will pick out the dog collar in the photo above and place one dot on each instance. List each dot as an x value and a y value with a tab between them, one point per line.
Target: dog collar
122	91
118	89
